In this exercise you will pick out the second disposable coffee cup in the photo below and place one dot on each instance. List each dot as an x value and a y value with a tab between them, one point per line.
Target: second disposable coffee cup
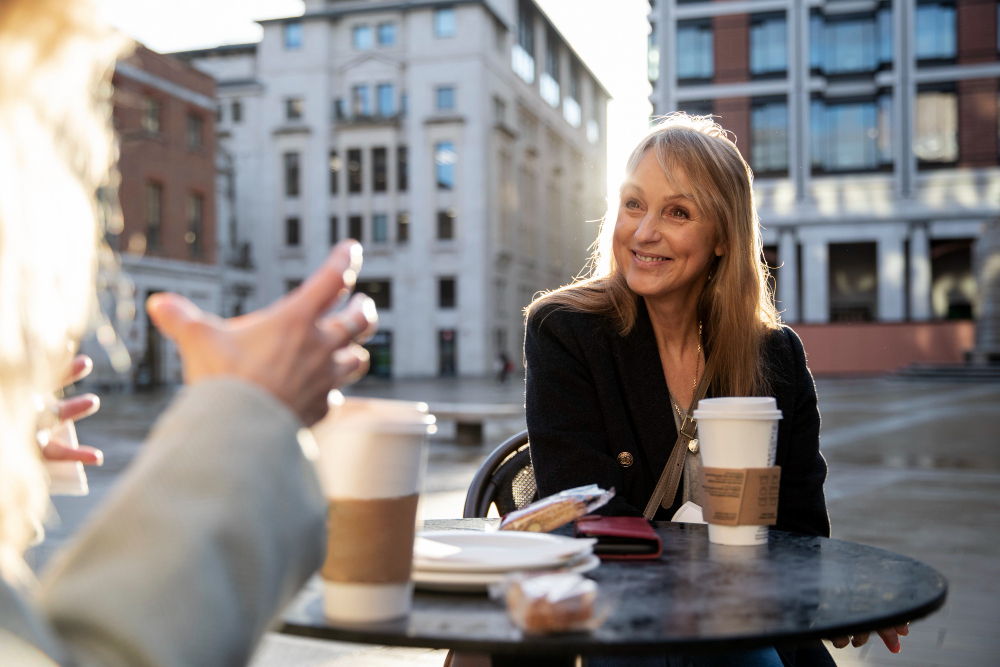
737	432
372	456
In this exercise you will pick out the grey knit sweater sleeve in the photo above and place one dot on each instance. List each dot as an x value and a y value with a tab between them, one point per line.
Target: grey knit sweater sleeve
219	521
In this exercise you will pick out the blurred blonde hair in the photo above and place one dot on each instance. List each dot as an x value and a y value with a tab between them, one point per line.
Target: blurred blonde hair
56	150
736	306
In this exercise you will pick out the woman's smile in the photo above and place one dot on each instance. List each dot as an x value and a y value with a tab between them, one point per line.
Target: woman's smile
649	259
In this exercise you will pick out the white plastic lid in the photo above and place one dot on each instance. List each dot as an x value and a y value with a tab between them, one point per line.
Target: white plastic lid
738	407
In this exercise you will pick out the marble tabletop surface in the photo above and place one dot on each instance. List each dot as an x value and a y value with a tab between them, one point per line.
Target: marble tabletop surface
696	596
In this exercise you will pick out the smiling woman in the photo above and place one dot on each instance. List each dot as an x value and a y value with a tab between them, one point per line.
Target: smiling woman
677	302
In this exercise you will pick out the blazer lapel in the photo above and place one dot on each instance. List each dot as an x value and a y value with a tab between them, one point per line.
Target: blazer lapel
648	400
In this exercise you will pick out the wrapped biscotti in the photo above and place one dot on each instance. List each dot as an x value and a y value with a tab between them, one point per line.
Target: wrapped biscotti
552	603
549	513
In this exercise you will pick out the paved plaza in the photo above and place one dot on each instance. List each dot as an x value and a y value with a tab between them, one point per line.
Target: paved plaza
914	468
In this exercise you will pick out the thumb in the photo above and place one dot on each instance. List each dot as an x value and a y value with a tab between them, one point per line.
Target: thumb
175	316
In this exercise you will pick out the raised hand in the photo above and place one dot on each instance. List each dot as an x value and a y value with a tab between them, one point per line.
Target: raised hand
74	409
292	348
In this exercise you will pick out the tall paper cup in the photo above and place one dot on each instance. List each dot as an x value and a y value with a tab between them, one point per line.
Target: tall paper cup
737	432
372	456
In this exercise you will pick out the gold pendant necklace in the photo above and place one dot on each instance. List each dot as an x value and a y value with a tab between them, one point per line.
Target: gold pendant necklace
693	443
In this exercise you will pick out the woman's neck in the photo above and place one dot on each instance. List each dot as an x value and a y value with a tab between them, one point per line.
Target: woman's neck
675	322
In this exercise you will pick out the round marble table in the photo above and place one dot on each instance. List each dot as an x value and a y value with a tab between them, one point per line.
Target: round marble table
697	596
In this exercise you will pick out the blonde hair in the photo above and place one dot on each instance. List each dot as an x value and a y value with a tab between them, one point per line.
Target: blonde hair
56	150
736	306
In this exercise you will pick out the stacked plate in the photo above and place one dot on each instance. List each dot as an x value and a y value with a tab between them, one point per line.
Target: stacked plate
471	561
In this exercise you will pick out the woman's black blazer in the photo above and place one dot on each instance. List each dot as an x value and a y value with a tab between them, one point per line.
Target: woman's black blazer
592	394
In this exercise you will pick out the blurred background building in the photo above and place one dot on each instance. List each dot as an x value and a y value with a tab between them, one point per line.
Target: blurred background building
164	116
464	144
872	129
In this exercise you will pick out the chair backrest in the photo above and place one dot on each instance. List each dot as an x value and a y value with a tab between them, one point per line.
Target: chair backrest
505	478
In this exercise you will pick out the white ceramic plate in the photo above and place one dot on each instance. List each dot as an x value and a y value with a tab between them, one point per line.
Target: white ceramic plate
479	582
500	551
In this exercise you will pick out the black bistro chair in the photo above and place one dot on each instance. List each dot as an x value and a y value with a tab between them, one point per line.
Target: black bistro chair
505	478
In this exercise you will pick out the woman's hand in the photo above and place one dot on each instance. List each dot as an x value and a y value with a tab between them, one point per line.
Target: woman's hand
74	409
890	636
291	348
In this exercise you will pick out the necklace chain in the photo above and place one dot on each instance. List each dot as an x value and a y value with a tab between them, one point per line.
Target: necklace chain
697	367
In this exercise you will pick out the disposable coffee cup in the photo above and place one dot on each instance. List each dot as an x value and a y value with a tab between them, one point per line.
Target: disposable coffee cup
372	457
737	432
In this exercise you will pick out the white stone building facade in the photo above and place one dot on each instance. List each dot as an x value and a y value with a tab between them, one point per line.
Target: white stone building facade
463	143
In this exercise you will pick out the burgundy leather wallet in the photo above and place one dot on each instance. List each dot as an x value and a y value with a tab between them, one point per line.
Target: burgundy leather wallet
621	537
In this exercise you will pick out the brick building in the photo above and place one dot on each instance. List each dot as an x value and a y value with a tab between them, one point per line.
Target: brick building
164	116
872	129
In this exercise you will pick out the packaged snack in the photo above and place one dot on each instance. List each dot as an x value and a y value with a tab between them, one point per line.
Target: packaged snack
547	514
550	603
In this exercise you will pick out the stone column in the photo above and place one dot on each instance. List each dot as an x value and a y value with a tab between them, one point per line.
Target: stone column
816	281
920	273
788	276
987	267
891	280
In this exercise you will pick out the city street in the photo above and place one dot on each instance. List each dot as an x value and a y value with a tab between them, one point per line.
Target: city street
914	468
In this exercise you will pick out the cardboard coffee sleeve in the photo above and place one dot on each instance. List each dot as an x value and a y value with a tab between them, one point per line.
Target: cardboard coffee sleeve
357	552
740	496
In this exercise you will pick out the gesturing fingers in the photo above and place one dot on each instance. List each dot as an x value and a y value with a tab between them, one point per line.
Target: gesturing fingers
58	451
331	281
80	368
357	322
840	642
78	407
860	639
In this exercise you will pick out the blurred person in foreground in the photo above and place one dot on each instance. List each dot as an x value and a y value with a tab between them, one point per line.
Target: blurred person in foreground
678	291
220	520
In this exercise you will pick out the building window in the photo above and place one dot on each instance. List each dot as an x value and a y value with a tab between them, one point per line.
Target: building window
447	353
444	98
386	97
769	136
694	50
361	37
339	109
935	31
379	349
446	225
292	232
953	286
402	227
386	34
522	57
293	35
446	293
195	130
850	136
294	107
355	228
548	85
444	164
354	170
154	215
336	164
195	219
380	170
334	230
444	22
151	112
404	103
380	228
291	161
936	140
696	107
850	43
361	102
237	111
380	291
853	282
499	111
768	45
402	171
